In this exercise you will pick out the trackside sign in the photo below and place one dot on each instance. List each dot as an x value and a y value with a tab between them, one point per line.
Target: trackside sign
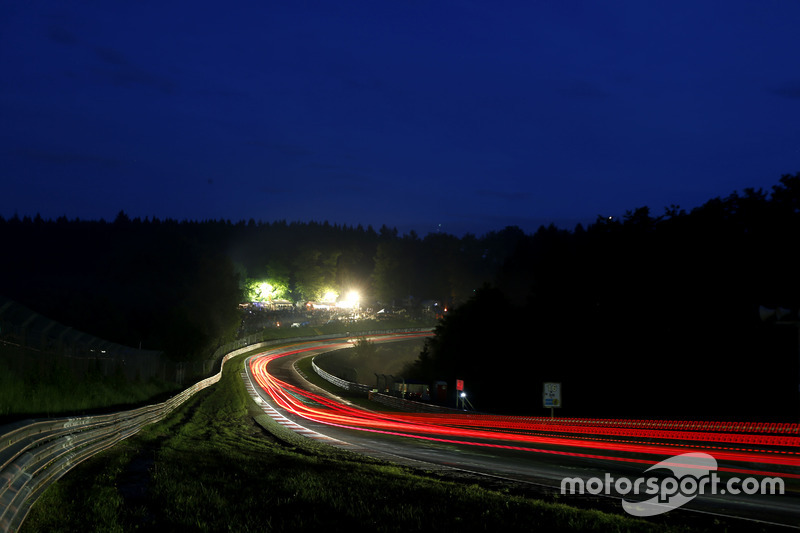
552	395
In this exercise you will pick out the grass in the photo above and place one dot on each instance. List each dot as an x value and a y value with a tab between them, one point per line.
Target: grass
45	387
358	398
367	358
210	467
54	390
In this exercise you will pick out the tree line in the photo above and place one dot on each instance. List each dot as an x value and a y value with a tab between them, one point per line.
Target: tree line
171	285
644	316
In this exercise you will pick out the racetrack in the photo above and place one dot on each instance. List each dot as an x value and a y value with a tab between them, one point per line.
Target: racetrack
539	450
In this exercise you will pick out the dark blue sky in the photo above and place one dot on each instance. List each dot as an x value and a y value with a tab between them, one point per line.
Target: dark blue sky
472	115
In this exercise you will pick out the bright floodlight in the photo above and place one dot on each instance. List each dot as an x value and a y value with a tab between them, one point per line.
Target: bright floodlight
351	300
329	296
463	394
266	290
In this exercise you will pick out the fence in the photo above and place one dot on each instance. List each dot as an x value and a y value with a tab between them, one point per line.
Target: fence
36	453
339	382
30	342
385	399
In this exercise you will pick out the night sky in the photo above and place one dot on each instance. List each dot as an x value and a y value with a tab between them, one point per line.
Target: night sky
464	116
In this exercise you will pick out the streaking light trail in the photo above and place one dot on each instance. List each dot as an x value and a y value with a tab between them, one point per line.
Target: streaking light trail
751	448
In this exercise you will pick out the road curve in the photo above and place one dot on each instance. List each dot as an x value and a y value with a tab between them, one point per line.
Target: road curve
534	449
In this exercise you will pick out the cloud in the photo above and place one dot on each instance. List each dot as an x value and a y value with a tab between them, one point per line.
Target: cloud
790	90
111	56
135	76
60	35
122	72
117	67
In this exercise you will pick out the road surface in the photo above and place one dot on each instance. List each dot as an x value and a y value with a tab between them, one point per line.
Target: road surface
544	452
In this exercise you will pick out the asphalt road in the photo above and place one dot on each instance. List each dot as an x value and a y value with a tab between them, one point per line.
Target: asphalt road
539	462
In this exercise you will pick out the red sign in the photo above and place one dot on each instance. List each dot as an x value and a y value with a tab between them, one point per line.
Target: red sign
459	384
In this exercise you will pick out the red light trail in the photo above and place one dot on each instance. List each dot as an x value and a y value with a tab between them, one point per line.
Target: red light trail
735	444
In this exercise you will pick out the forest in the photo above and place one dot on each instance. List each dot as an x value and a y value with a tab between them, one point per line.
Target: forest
176	285
645	315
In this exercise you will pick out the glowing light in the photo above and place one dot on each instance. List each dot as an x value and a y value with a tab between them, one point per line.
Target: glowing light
329	297
350	301
265	290
749	444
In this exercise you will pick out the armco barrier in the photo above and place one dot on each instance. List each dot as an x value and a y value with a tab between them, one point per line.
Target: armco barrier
409	405
385	399
339	382
36	453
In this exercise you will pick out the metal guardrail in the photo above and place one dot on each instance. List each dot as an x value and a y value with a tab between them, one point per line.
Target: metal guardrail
339	382
412	406
385	399
349	385
36	453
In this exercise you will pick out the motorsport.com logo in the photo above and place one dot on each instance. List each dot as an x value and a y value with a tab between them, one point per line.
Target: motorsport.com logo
693	474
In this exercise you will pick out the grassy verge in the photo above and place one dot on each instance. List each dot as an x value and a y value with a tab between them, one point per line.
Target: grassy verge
358	398
56	391
49	389
209	467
